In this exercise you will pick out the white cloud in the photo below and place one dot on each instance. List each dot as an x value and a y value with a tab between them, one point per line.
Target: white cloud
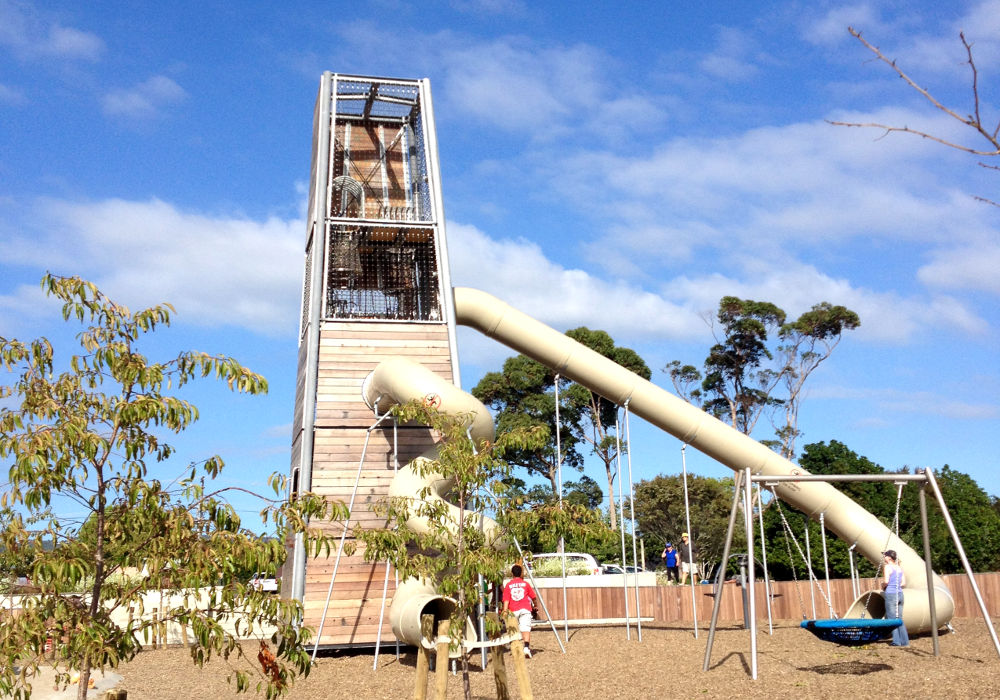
489	7
144	100
545	91
30	35
221	270
965	268
924	55
518	272
831	28
279	431
888	401
886	317
11	96
19	308
730	60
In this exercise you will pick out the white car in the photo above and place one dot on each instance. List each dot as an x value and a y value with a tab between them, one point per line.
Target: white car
577	564
264	582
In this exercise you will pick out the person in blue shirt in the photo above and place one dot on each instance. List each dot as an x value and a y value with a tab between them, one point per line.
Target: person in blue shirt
671	561
893	582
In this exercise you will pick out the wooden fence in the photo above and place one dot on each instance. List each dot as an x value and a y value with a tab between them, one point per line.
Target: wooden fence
790	601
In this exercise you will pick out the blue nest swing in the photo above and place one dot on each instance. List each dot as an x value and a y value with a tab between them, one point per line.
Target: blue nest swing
852	631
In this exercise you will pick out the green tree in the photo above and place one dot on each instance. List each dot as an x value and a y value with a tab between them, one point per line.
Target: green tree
583	529
586	492
452	548
522	396
971	509
660	517
877	497
87	434
743	373
975	520
599	429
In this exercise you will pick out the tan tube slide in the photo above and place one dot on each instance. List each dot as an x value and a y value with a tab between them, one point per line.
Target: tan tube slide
849	521
398	381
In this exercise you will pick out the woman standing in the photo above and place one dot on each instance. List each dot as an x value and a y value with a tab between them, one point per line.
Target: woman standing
893	582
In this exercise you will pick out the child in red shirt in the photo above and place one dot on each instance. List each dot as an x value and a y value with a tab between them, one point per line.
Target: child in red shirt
519	598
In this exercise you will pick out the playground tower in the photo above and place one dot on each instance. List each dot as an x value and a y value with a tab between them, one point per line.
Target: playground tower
376	285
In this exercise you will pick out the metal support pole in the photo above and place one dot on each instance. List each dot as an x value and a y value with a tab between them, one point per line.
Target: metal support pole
631	500
809	570
562	540
855	584
931	604
748	512
826	564
388	564
541	600
961	554
381	616
343	535
763	558
720	579
621	523
687	520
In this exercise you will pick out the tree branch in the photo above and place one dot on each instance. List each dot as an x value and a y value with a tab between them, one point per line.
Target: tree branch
973	120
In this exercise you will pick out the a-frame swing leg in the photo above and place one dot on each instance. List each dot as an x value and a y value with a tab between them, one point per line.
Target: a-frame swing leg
720	578
931	604
961	554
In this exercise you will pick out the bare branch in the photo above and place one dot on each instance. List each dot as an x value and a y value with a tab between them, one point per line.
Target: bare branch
974	120
985	201
922	134
975	77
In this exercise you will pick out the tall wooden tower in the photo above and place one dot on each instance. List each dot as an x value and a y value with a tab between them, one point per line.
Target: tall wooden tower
376	286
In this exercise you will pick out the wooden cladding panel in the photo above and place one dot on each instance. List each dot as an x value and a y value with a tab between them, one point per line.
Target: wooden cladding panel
348	352
352	616
300	389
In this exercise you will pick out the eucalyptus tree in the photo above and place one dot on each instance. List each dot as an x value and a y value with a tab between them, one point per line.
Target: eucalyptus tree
522	395
760	365
86	432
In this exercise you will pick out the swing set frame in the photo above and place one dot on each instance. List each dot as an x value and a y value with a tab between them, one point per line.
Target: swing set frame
743	491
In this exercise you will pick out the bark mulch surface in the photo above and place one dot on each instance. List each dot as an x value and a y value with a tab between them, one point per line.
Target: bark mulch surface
602	663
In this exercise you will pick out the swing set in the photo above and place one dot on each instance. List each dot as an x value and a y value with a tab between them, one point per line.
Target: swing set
859	625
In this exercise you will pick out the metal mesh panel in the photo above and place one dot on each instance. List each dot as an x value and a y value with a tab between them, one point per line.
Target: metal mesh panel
421	183
382	272
371	99
379	172
306	286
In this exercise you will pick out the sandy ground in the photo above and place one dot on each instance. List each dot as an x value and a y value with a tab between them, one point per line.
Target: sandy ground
603	663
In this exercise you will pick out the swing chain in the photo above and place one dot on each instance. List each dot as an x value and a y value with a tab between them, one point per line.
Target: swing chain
788	529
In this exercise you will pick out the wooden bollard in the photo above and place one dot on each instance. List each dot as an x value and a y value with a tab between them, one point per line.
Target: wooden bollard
517	656
423	657
441	670
496	658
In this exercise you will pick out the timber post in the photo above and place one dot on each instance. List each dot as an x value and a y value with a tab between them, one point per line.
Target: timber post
517	656
441	666
423	657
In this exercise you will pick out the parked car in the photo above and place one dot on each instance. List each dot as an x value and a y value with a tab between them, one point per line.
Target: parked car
264	582
577	564
617	569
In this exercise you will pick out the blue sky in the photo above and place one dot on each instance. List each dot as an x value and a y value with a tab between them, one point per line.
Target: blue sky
616	167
